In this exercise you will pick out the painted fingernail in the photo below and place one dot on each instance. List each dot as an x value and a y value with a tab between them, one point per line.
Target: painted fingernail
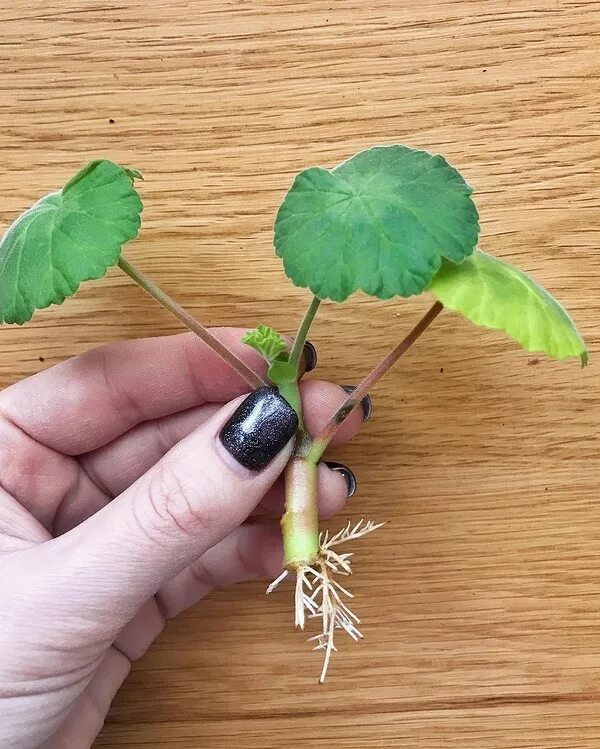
349	477
259	429
310	356
366	403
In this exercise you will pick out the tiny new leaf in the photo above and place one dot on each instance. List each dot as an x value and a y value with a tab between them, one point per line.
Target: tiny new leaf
494	294
274	349
67	237
267	342
382	221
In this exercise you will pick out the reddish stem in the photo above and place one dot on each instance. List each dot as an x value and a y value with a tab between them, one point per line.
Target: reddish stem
184	316
324	437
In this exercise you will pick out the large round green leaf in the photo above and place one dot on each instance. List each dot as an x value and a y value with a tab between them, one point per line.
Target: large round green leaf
494	294
67	237
381	222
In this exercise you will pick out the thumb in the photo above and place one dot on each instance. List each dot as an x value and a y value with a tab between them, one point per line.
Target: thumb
195	496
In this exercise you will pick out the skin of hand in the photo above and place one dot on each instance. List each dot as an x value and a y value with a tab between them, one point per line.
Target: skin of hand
119	508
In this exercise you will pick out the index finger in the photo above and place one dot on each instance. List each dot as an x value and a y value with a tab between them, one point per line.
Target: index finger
88	401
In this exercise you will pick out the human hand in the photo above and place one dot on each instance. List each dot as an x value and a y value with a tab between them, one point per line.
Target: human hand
120	506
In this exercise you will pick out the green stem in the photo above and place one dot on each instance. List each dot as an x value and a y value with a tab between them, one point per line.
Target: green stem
300	522
300	339
291	393
320	442
159	295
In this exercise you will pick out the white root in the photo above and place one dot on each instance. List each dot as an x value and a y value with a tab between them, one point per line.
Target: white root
319	596
276	582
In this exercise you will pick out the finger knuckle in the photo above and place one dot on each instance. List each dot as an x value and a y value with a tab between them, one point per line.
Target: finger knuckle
176	506
204	576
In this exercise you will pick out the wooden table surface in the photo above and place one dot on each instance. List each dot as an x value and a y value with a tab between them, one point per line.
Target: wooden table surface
481	596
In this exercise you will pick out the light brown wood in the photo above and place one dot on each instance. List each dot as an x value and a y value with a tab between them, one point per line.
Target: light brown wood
480	598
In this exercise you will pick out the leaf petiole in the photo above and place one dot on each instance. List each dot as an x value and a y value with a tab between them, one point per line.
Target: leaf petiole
320	442
300	339
181	314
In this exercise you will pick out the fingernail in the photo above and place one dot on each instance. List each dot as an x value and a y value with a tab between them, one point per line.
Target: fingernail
310	356
366	403
259	429
347	474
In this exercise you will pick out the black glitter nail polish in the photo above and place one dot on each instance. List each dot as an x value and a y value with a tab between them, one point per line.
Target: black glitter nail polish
259	429
366	402
310	356
347	474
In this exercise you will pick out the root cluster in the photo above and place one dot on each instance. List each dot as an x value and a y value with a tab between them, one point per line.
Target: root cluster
320	596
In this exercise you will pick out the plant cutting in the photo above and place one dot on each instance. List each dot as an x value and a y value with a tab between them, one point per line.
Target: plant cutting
390	221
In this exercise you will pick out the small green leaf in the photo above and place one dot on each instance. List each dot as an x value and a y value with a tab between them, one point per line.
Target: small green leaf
381	222
267	342
494	294
67	237
282	373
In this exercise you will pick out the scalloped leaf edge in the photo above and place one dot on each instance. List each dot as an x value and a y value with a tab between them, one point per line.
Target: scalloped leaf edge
579	351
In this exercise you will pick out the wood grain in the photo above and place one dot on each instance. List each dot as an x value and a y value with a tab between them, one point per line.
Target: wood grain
480	598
